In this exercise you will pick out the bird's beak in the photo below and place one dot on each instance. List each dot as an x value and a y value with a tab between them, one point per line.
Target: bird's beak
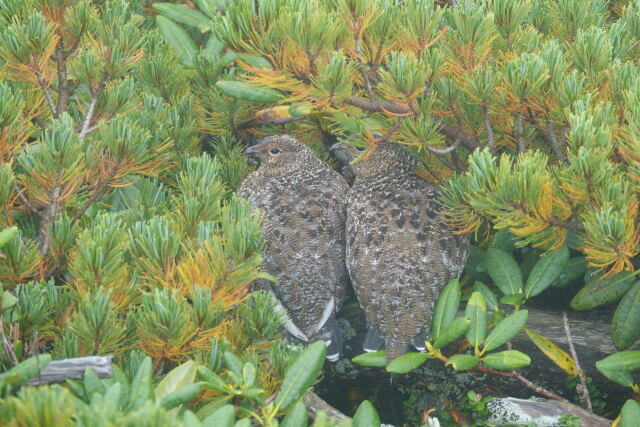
253	154
340	152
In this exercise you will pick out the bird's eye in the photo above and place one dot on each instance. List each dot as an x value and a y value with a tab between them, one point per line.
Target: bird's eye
275	151
360	149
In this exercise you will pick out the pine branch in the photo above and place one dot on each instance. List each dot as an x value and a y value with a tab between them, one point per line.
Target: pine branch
578	228
47	218
449	131
585	399
92	108
100	187
555	145
522	145
45	89
487	125
27	203
361	67
63	81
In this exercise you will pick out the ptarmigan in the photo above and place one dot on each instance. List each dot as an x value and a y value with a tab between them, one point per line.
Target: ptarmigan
304	211
400	253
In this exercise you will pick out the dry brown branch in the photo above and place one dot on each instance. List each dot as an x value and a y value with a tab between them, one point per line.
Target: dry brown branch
585	399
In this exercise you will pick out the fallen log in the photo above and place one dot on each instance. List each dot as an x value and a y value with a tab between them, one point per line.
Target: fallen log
540	412
60	370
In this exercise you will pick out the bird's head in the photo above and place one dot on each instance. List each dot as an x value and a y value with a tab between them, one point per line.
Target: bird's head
373	160
279	154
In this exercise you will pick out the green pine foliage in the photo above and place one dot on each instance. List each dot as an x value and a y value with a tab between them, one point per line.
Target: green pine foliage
122	126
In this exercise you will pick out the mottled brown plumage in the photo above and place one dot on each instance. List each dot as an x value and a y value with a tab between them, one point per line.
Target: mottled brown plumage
304	211
400	253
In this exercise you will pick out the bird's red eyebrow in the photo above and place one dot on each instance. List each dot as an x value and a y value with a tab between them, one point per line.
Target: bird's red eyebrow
269	147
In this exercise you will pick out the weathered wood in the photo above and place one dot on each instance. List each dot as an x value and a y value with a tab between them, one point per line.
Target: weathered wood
315	404
541	412
60	370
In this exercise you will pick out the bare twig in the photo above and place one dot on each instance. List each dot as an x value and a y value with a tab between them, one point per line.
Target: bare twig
391	131
92	108
45	89
522	146
100	187
447	150
585	399
555	145
528	383
487	125
578	228
26	202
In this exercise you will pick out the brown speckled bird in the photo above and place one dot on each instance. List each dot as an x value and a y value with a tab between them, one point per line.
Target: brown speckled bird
304	211
400	253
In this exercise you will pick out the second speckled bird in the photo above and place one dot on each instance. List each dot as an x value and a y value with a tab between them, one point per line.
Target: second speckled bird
304	205
400	253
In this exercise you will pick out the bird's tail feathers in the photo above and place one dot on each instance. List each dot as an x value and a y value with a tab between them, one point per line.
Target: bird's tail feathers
373	341
334	342
418	342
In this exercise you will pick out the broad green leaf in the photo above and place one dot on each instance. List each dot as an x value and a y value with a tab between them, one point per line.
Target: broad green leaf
506	360
183	15
504	241
488	295
546	270
7	235
214	48
366	415
374	359
178	39
245	422
248	374
553	352
623	361
224	416
575	268
301	373
623	378
141	385
296	417
475	266
476	311
462	362
176	379
602	291
249	92
255	61
529	260
406	363
25	370
212	380
8	301
446	308
504	271
92	384
182	395
630	414
505	330
625	327
189	419
233	364
453	331
516	299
